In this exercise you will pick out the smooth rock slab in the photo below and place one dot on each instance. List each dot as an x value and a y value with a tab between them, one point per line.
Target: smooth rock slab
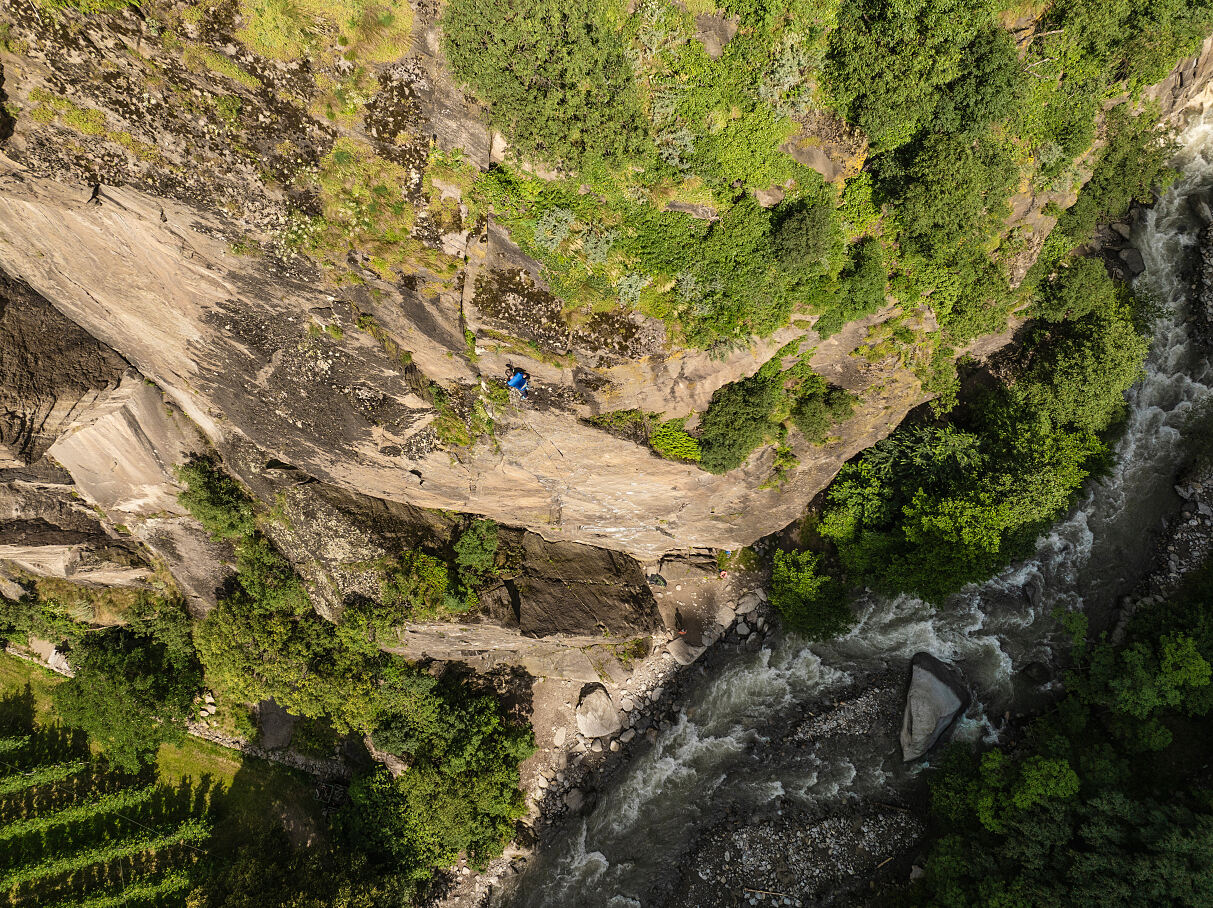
937	696
596	713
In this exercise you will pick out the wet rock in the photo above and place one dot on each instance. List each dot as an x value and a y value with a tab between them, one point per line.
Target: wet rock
937	696
1133	261
596	713
1038	673
574	799
743	629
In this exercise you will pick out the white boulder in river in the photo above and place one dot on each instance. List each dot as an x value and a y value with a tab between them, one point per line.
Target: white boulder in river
596	713
937	696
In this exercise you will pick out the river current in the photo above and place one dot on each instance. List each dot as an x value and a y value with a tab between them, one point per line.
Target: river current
648	819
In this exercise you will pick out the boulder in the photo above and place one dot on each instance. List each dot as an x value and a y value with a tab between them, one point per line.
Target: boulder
747	603
596	713
684	653
937	696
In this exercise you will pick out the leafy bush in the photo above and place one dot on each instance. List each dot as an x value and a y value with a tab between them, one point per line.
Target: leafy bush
460	792
215	500
814	414
737	421
553	74
414	586
954	191
1133	164
671	440
861	289
806	236
888	62
1077	290
476	553
811	603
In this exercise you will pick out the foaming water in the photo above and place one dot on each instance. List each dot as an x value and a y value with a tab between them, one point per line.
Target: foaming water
640	829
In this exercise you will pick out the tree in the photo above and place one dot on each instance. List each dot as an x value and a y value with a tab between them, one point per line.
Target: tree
131	693
1078	290
806	236
554	75
811	603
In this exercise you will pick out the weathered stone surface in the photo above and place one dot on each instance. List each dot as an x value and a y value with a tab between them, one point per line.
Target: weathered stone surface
596	713
937	696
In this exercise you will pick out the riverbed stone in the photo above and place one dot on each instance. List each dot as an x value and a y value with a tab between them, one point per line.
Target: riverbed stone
596	713
937	696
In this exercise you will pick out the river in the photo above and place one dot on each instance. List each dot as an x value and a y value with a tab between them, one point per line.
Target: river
647	821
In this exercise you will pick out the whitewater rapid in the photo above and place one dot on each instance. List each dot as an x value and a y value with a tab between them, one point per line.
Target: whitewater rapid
643	826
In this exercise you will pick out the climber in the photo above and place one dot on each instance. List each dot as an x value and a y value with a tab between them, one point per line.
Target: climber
518	380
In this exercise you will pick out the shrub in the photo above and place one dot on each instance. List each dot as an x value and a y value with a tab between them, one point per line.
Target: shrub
737	421
953	190
888	61
416	584
806	236
861	289
811	603
1131	166
215	499
670	440
815	414
132	691
476	553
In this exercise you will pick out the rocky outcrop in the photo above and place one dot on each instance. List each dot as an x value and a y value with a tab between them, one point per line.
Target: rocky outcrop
50	370
44	530
936	698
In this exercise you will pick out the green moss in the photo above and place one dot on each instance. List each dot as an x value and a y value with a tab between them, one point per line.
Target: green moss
199	58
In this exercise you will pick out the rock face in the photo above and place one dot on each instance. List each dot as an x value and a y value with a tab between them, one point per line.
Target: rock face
936	698
50	370
596	713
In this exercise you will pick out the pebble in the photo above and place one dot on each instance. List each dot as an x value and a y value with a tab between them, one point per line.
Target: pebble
596	747
615	747
561	735
628	735
743	629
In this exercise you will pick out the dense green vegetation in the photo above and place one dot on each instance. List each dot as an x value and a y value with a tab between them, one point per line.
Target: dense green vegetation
758	409
554	74
1104	800
134	686
933	508
958	120
809	600
137	681
264	640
